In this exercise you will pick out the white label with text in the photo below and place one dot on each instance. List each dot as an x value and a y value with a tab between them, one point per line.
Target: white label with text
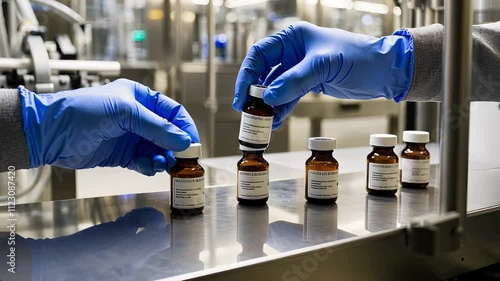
415	170
188	193
383	176
253	185
255	129
322	184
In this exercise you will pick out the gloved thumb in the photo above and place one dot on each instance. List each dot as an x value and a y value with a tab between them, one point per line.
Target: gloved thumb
292	84
156	129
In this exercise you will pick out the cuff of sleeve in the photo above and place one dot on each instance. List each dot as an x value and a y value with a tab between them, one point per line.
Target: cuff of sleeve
409	50
427	74
32	119
13	145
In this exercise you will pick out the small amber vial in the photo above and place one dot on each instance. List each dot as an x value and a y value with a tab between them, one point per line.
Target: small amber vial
322	172
187	182
253	177
256	120
382	166
415	160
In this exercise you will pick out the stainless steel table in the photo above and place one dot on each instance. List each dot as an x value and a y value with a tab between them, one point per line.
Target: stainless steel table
287	239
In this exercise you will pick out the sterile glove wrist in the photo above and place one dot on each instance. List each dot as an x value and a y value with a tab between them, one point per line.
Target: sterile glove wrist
304	58
121	124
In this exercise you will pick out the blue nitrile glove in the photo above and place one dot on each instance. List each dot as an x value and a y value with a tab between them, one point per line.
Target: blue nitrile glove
109	251
123	123
305	57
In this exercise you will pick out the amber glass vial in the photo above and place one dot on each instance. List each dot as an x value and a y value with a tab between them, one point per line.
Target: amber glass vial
322	172
382	166
187	182
415	160
253	177
256	120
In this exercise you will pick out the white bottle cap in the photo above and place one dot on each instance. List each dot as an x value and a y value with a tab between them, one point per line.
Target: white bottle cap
193	151
246	148
322	144
416	136
383	140
257	91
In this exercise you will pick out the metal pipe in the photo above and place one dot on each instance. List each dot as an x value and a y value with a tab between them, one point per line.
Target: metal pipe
455	114
211	102
4	39
109	68
27	13
62	10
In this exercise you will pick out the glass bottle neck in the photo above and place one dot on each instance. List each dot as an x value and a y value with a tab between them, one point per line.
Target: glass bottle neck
187	161
253	154
384	149
416	146
322	153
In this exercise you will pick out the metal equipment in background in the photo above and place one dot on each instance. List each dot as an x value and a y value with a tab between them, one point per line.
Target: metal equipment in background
46	63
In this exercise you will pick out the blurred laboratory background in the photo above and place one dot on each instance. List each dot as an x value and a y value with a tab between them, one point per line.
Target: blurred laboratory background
165	44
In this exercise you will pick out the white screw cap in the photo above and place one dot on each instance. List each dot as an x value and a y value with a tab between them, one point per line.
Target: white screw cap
322	144
193	151
257	91
383	140
416	136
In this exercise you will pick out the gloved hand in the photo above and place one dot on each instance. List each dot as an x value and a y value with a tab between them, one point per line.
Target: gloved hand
109	251
123	123
305	57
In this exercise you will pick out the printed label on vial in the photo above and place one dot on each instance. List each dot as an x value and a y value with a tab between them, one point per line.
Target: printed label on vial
383	176
253	185
415	170
188	193
255	129
322	184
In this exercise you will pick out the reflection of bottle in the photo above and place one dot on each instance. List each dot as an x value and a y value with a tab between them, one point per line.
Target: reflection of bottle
320	223
253	230
187	242
416	202
381	213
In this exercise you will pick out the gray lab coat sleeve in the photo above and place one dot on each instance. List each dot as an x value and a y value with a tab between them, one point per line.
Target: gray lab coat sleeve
427	68
13	147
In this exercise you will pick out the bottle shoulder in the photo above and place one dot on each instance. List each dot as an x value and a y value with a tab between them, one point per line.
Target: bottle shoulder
258	108
314	160
245	162
383	157
193	168
415	152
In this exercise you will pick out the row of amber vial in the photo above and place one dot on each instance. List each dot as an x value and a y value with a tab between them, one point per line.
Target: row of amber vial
384	170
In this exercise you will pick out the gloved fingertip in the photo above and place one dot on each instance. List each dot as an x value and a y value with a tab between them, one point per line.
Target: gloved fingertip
271	98
183	142
276	126
145	166
159	163
237	105
169	156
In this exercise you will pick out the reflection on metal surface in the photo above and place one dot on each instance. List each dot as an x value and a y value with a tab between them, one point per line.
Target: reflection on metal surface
225	235
252	230
416	202
381	212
